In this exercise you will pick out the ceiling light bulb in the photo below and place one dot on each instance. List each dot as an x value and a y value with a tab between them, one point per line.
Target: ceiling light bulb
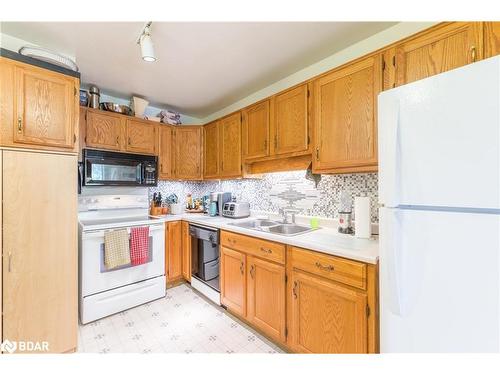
147	49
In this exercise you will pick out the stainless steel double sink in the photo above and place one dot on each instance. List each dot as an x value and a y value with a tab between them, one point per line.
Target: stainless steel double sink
275	227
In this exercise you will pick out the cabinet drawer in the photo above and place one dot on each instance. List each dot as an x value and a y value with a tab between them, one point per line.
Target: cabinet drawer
254	246
338	269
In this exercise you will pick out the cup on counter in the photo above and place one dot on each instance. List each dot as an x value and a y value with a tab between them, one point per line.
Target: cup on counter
176	208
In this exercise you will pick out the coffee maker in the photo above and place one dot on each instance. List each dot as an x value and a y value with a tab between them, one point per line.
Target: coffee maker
219	198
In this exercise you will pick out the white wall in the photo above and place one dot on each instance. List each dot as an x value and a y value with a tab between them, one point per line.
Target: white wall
379	40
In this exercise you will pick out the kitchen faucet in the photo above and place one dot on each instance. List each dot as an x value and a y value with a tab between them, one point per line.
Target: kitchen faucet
284	214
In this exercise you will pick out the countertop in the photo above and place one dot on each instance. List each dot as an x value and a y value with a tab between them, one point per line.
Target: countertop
325	240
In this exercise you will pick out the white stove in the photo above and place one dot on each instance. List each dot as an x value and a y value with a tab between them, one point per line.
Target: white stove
105	292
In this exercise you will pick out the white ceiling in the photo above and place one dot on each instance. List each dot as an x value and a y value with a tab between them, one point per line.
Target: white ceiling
201	67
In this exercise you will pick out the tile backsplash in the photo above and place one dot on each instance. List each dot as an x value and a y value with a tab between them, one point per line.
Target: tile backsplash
285	190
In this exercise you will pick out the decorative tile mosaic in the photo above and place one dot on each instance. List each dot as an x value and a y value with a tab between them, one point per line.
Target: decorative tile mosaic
285	190
182	322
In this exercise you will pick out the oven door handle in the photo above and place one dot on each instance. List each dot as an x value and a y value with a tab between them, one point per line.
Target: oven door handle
100	232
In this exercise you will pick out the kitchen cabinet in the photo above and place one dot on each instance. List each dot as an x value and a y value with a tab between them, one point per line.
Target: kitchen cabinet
188	152
103	130
345	128
211	150
332	304
39	248
165	152
233	281
290	121
186	252
173	258
39	107
230	146
140	137
389	68
255	131
491	39
266	297
438	50
326	317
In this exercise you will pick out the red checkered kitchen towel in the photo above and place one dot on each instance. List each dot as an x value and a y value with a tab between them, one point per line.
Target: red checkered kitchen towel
139	245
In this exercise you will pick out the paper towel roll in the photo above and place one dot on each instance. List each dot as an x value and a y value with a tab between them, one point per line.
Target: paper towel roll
362	217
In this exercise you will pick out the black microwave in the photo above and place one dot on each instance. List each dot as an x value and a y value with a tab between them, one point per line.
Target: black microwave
107	168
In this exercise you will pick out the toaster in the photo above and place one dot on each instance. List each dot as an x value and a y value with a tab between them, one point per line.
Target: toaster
236	210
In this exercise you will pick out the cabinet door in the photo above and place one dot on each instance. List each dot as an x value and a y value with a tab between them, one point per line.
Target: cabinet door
439	50
141	137
165	152
211	150
186	251
345	118
46	108
491	39
188	153
174	251
233	282
266	297
326	317
255	131
230	146
40	249
290	121
103	130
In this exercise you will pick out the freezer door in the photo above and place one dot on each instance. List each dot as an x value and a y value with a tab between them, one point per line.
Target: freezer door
439	281
439	140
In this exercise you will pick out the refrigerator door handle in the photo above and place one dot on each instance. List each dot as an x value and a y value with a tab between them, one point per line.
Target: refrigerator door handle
389	150
393	250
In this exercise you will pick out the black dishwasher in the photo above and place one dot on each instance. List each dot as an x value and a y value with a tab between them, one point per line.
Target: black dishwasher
205	255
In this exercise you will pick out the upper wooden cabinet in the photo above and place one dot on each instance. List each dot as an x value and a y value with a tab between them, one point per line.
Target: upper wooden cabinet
211	150
230	146
491	39
188	152
39	107
140	137
345	102
103	130
438	50
165	152
290	122
255	131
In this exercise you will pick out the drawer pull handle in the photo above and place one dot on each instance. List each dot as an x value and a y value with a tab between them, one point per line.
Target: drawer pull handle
252	271
324	268
294	290
19	124
241	267
267	251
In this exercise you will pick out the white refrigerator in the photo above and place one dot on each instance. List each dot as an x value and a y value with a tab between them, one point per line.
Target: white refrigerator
439	195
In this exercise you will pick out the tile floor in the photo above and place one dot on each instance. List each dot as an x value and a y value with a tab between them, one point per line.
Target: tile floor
182	322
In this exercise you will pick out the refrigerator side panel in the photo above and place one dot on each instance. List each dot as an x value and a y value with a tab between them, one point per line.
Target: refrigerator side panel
439	281
448	139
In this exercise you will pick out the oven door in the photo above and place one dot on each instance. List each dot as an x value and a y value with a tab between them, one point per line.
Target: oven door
95	278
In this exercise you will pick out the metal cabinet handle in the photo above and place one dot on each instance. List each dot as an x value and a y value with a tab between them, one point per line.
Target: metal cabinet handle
19	124
317	154
473	53
267	251
294	290
10	262
265	144
118	140
129	140
241	268
324	268
252	271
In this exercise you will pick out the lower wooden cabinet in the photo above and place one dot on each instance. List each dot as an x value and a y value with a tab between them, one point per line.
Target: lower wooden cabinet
326	317
186	251
266	297
173	253
233	281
